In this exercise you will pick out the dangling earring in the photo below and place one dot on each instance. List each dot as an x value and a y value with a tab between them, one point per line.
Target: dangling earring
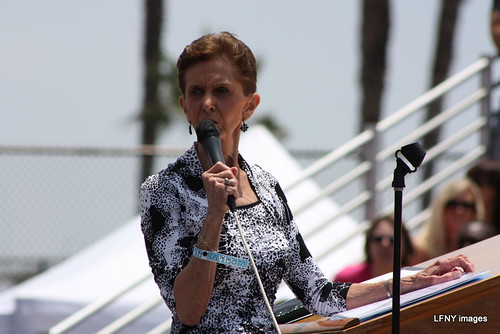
244	127
190	130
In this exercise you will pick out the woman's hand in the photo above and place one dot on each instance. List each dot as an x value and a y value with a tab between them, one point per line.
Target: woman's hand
442	270
220	181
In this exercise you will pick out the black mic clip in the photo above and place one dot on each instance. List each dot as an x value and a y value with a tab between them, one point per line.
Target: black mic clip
408	159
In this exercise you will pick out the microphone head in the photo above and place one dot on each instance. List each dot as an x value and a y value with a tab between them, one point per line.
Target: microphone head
205	129
209	138
414	153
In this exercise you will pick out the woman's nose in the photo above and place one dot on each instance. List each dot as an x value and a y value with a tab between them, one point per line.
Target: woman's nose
208	103
386	242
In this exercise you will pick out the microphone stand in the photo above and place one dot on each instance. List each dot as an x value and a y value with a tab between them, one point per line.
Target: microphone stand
398	185
414	155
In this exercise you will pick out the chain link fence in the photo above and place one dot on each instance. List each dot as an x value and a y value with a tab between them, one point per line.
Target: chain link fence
57	201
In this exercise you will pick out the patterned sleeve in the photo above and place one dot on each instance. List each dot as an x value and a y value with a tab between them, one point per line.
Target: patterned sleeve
167	250
306	280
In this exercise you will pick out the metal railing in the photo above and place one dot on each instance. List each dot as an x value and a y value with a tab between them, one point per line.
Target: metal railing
376	182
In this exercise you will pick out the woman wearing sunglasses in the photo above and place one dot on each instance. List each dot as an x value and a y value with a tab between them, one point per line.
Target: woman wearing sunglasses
458	203
378	252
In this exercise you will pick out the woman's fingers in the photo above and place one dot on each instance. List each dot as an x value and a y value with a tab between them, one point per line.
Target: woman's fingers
461	262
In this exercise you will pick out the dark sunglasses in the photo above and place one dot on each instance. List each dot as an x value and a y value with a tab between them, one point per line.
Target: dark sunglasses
379	238
454	204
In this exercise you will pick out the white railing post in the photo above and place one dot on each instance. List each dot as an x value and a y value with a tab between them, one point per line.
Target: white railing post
370	150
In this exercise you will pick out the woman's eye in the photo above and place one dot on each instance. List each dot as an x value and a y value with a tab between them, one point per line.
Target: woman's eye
196	91
222	90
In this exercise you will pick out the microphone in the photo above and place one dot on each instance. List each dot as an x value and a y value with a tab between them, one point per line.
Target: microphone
209	138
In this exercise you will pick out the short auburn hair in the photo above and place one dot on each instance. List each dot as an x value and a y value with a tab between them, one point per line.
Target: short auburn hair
222	45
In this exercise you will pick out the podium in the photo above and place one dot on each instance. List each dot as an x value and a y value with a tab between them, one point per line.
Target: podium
473	308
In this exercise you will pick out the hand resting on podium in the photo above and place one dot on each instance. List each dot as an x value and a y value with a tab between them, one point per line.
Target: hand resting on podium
442	270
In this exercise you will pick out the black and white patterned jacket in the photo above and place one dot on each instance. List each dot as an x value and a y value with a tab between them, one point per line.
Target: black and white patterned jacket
173	209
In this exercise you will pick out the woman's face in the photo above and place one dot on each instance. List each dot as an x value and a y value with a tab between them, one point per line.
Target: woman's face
213	91
381	242
457	212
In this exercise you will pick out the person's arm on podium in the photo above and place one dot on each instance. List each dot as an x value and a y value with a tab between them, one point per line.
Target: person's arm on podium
442	270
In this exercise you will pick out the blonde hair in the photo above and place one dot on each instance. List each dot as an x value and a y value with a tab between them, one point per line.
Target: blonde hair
432	235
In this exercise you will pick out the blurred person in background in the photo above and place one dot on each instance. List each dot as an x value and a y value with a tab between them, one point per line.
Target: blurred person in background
494	140
486	174
458	203
495	23
473	232
379	248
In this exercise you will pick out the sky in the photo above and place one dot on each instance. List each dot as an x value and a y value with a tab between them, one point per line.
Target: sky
70	71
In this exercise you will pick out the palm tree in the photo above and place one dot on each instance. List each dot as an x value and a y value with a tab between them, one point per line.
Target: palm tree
443	58
152	107
160	83
374	40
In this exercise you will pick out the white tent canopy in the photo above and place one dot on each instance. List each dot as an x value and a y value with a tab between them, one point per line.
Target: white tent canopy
120	259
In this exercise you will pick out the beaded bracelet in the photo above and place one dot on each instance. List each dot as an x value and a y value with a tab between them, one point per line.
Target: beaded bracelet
387	290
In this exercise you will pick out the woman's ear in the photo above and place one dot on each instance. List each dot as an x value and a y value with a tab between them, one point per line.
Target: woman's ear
181	102
252	105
